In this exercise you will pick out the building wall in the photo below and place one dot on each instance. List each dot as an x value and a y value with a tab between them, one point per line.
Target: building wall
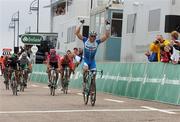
135	44
61	23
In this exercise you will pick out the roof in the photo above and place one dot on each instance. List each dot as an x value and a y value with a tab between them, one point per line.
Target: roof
55	3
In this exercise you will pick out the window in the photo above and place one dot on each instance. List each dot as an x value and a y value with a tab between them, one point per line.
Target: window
116	27
173	2
70	34
97	28
131	23
154	20
102	21
85	31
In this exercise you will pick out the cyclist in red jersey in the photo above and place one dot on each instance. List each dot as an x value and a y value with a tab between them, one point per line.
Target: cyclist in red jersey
53	60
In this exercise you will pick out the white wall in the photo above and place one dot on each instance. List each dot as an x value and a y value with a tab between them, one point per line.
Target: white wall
134	45
175	9
61	23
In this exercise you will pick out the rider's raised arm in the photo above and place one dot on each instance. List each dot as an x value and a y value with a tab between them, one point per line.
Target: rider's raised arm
106	35
78	34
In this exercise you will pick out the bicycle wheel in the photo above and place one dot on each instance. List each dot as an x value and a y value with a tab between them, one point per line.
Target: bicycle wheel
53	91
14	87
22	86
86	91
7	86
93	94
86	96
53	80
6	82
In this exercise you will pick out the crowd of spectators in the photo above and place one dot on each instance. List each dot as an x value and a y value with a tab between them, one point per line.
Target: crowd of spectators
163	50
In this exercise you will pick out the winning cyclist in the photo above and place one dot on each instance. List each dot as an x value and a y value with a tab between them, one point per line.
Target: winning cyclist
53	60
90	47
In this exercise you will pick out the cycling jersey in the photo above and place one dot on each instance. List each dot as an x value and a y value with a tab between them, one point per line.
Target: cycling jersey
24	62
14	62
67	62
53	62
90	48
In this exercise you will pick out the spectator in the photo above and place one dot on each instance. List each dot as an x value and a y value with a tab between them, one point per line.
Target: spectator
165	54
154	53
1	64
175	57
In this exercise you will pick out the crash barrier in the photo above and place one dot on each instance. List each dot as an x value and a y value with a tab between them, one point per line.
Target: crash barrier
147	81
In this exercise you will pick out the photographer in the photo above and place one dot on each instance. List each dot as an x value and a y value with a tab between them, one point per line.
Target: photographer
154	50
175	43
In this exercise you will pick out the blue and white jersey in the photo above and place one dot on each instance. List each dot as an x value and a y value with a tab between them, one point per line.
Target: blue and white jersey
90	49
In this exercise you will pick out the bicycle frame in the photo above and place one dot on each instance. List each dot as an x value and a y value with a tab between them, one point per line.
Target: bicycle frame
23	79
14	83
53	79
65	82
90	86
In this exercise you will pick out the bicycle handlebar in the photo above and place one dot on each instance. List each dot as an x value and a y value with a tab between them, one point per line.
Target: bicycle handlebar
100	71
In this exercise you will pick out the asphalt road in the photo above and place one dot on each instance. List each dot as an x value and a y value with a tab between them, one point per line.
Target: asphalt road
36	105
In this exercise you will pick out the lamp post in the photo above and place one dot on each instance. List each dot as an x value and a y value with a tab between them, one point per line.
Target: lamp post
15	18
12	26
34	6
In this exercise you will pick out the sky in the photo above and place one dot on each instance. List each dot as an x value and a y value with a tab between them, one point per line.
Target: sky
9	7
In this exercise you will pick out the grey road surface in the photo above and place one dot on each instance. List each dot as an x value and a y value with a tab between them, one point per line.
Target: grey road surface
36	105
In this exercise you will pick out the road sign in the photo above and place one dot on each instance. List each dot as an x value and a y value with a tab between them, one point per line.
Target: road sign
31	39
34	49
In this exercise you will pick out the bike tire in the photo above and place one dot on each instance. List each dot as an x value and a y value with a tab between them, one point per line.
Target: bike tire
93	96
86	97
7	86
22	87
53	91
86	93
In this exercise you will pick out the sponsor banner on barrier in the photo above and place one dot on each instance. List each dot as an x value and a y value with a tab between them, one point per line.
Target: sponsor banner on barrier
152	81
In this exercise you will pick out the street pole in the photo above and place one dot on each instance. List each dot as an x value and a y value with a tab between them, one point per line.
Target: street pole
14	35
38	16
18	31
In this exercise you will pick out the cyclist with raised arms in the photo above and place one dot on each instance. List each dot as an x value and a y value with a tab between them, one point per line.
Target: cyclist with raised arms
90	47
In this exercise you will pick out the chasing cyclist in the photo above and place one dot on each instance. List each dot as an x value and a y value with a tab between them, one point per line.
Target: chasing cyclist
14	67
66	61
53	60
90	47
24	63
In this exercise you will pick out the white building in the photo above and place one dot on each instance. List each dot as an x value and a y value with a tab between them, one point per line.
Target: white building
137	22
65	16
143	20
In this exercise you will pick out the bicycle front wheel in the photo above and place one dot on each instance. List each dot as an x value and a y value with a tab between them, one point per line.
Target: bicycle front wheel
93	94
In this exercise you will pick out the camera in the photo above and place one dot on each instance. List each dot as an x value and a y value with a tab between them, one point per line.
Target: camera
82	21
156	41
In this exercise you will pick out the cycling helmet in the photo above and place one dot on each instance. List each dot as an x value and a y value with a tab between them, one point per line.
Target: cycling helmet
24	55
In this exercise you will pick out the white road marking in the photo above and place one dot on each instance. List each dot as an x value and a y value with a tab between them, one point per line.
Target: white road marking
160	110
79	94
34	85
46	87
112	100
76	111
